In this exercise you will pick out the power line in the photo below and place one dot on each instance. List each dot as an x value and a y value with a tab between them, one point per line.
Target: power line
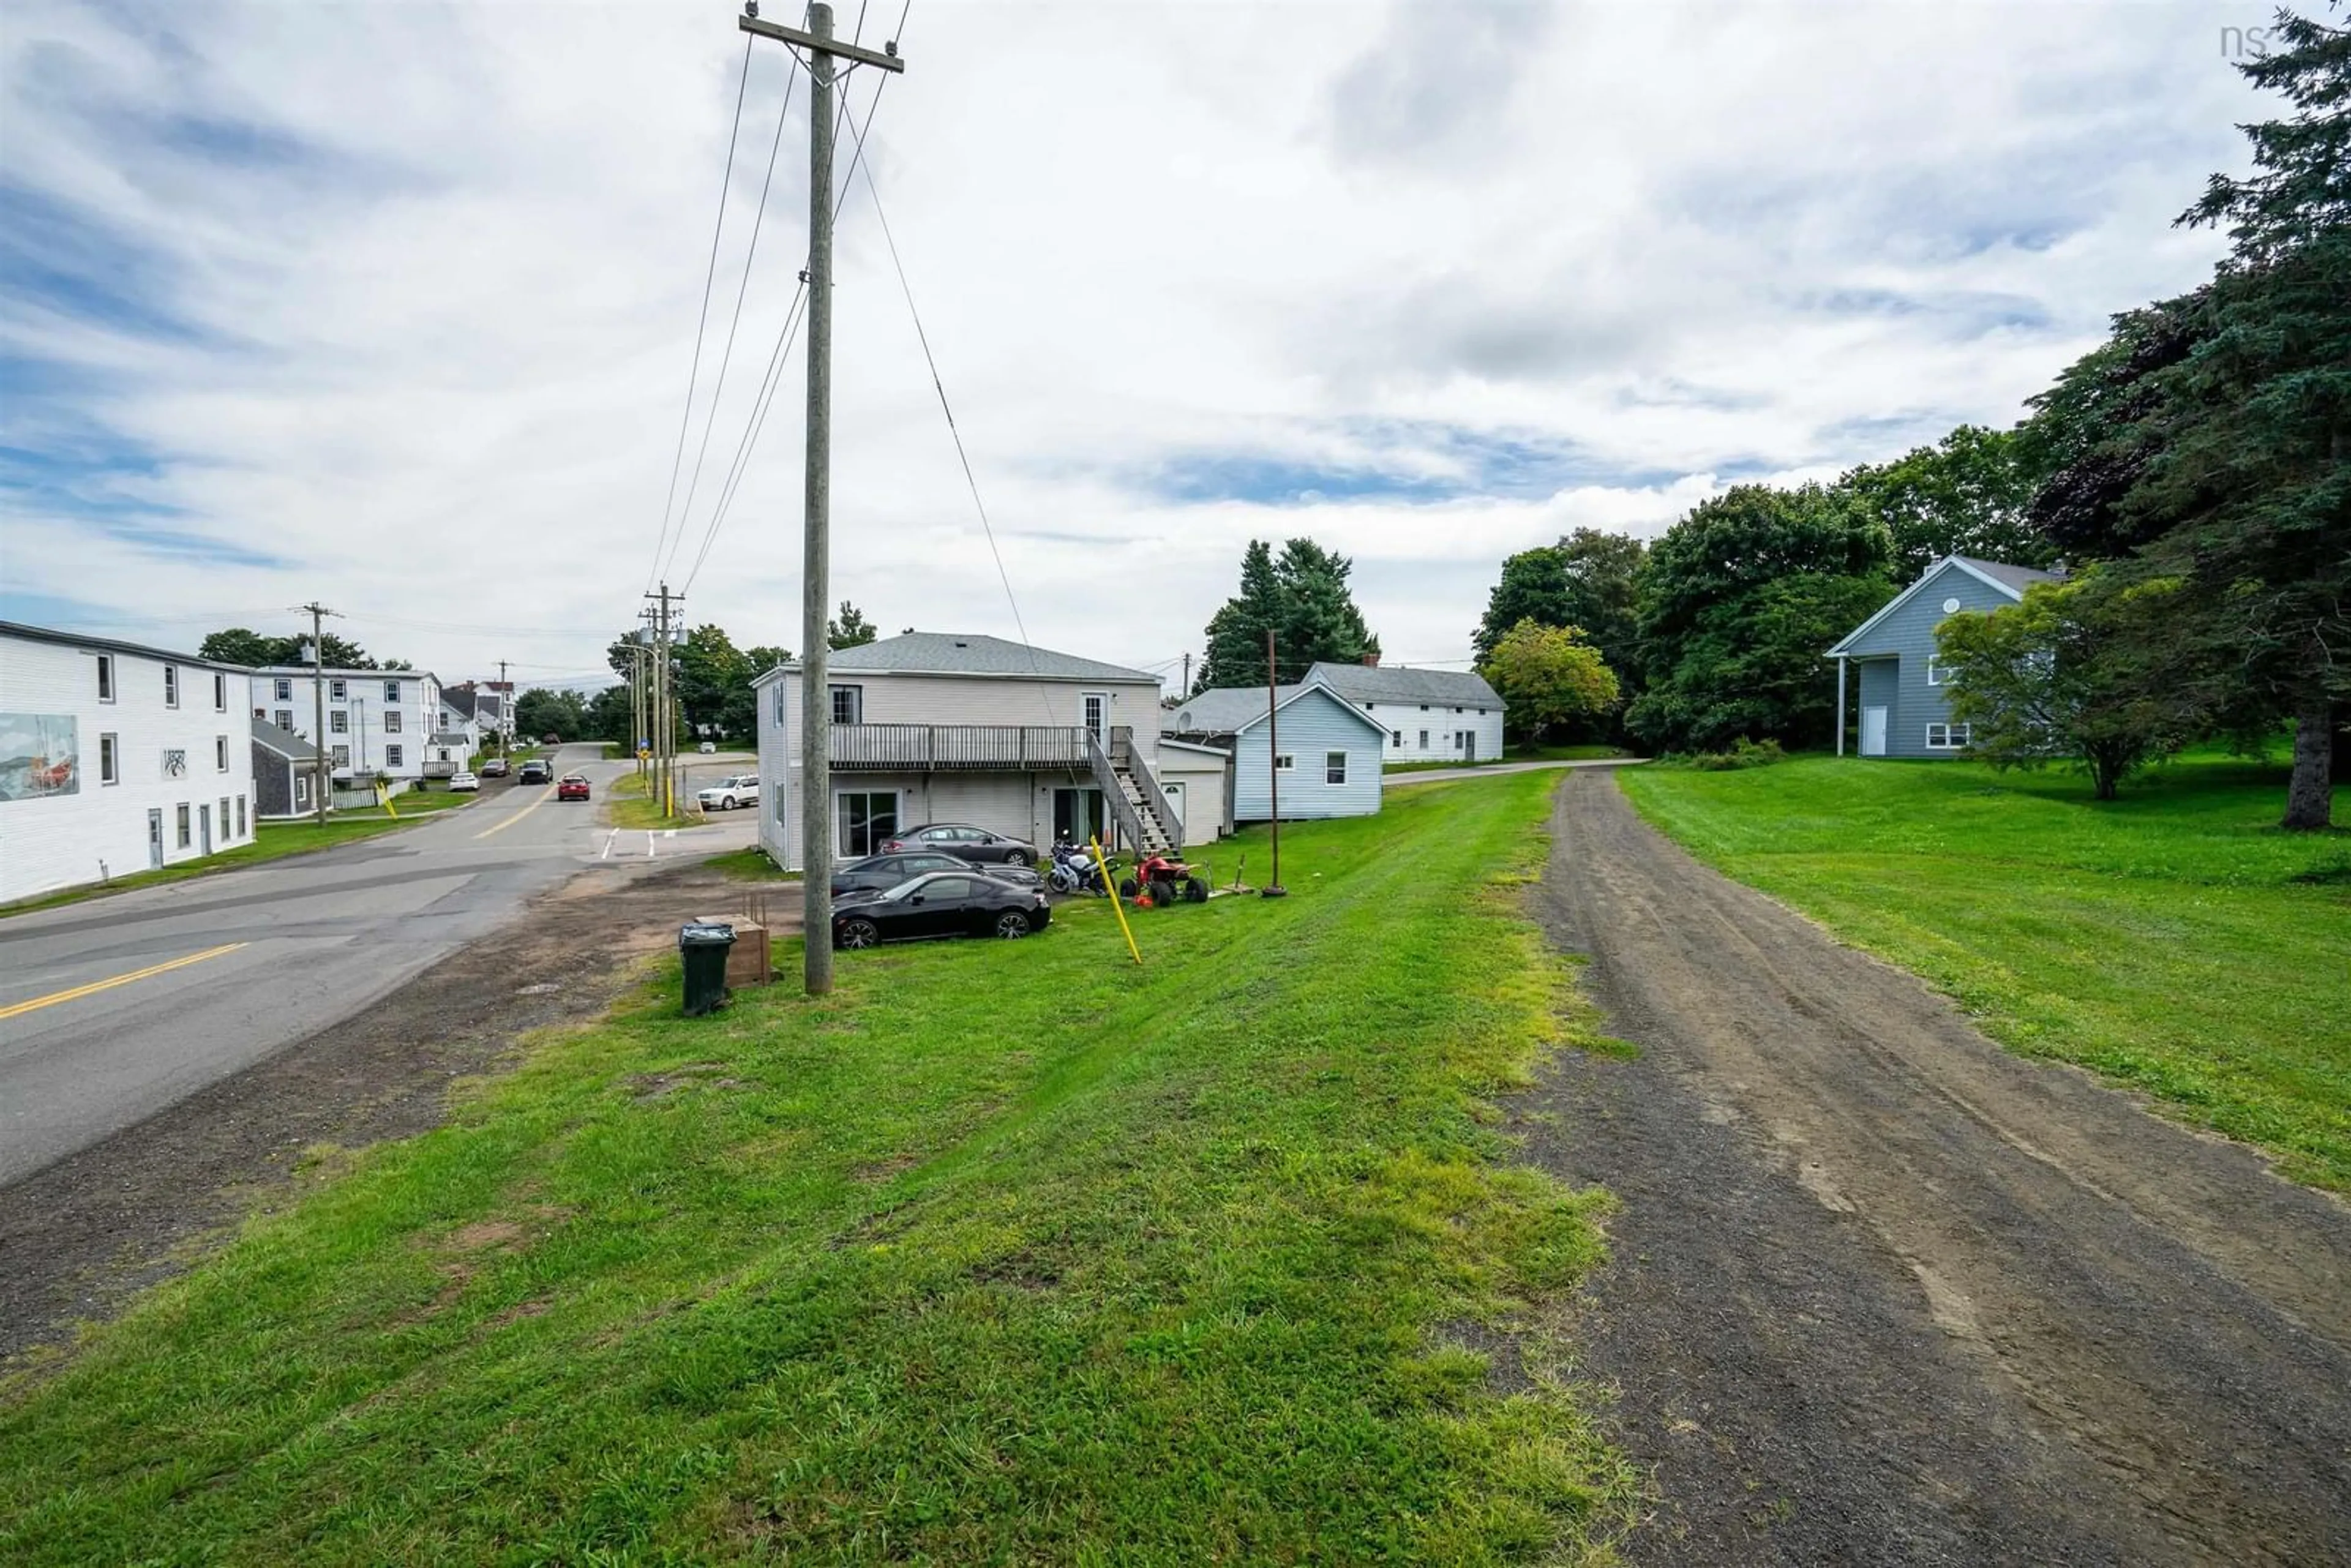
726	355
790	328
686	418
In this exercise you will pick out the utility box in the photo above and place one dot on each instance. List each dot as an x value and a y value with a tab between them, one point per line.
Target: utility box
703	947
748	962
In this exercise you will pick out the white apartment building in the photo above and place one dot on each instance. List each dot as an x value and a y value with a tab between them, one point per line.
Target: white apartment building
378	721
115	759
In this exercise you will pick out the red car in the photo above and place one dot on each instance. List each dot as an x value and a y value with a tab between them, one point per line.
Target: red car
572	787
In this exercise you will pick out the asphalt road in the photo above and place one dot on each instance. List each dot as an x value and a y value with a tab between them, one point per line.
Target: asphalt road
194	980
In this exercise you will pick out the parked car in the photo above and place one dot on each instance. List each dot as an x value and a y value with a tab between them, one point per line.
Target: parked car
460	782
879	873
551	740
707	748
742	789
496	767
573	787
533	772
977	845
941	904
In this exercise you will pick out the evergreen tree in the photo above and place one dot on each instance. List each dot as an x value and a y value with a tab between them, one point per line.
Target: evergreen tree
851	631
1236	652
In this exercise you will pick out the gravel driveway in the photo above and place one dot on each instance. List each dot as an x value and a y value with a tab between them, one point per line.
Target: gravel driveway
1883	1293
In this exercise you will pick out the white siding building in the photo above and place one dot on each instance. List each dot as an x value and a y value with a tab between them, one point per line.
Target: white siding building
378	721
1328	760
114	758
1428	716
935	728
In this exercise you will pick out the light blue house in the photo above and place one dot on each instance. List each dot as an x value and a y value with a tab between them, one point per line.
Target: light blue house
1328	760
1904	710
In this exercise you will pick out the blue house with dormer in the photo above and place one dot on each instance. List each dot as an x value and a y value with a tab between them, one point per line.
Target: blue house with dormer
1890	658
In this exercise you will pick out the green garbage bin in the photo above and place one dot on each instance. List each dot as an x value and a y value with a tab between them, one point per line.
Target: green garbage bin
703	944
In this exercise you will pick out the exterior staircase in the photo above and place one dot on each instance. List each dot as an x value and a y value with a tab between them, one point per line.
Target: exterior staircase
1133	795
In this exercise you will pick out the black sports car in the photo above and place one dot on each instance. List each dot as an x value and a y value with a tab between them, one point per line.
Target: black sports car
941	904
879	873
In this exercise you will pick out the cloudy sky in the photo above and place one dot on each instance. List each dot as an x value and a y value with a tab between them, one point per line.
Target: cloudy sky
394	304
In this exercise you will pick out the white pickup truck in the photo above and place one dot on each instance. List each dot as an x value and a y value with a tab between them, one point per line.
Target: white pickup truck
742	789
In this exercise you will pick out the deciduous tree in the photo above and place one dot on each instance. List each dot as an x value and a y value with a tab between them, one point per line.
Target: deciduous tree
1549	676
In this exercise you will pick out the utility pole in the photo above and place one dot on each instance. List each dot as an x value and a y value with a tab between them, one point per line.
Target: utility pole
665	726
816	701
1273	767
1186	689
319	704
505	712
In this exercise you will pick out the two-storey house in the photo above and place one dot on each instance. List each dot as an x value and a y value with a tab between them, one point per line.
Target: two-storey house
378	721
1906	710
115	757
940	728
1425	715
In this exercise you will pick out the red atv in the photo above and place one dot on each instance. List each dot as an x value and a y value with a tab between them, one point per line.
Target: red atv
1162	879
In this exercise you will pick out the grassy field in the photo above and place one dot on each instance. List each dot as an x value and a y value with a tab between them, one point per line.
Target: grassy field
629	802
2173	940
750	865
1007	1252
1518	754
271	841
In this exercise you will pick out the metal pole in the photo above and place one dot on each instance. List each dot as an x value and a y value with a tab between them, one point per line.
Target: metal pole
319	706
1840	719
816	703
1273	765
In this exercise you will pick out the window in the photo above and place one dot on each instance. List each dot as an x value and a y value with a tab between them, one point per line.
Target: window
1934	669
342	757
223	816
778	689
284	691
944	890
1334	767
1282	761
1424	707
106	677
1456	710
1423	741
220	702
391	755
338	722
109	759
1396	736
240	816
335	689
848	705
285	718
392	721
184	834
262	714
220	759
1945	737
392	691
171	685
864	818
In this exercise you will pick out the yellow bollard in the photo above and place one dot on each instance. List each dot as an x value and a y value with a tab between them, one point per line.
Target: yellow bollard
1116	902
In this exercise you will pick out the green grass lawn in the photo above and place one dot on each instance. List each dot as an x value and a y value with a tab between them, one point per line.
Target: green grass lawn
271	841
2173	940
630	804
750	865
1517	754
1006	1252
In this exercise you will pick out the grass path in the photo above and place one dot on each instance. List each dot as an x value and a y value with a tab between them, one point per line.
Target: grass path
1006	1252
2173	940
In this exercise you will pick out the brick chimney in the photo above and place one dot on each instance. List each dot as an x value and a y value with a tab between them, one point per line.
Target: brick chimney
1371	661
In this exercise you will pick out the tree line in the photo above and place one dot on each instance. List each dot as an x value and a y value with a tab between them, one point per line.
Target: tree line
2192	475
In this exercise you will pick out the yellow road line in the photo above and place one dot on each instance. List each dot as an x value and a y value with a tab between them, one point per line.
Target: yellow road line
54	998
519	816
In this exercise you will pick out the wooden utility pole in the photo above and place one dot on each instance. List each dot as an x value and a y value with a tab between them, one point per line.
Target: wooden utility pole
326	783
816	700
664	738
1273	889
505	712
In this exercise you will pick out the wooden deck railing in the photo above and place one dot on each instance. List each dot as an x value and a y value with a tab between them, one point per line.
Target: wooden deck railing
930	747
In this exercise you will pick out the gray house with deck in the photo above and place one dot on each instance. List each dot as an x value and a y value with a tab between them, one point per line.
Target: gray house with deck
1889	660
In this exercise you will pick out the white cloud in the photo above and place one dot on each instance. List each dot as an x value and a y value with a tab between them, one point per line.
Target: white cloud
402	297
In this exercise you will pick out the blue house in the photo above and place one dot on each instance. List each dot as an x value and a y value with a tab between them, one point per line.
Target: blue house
1329	757
1905	711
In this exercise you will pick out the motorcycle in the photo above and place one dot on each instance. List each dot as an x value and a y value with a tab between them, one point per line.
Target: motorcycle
1075	870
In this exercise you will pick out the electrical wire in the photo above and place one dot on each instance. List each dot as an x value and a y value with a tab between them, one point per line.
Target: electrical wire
793	317
727	356
702	321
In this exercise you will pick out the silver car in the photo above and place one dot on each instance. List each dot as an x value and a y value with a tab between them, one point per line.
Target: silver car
742	789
